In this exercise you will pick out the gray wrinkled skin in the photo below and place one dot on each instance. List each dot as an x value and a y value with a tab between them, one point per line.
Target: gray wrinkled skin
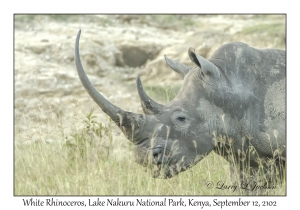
238	93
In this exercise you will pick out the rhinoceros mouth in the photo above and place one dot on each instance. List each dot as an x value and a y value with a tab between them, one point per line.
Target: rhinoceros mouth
166	163
159	160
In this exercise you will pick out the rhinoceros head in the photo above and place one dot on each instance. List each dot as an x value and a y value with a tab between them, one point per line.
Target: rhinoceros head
169	138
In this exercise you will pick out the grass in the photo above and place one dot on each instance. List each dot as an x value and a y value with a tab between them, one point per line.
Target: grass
94	161
48	169
162	94
272	29
266	32
173	22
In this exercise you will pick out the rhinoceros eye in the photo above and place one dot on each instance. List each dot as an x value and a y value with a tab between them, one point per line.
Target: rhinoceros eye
181	118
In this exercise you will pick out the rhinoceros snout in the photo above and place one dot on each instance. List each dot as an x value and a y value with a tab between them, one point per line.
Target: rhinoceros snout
160	155
159	161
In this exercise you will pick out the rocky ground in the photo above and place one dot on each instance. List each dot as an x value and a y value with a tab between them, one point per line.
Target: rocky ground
50	101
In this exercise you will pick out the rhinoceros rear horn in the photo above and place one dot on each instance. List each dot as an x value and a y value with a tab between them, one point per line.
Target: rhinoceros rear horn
149	106
180	68
128	122
207	67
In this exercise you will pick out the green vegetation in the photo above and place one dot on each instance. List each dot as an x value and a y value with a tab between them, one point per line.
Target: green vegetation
166	19
162	94
88	164
266	33
272	29
46	169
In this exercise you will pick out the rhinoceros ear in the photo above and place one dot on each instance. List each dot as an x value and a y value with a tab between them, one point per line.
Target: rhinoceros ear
208	69
179	68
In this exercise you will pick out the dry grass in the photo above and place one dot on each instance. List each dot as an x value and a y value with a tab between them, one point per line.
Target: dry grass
95	162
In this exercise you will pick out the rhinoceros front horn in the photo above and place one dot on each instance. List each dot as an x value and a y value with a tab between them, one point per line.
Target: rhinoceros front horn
130	123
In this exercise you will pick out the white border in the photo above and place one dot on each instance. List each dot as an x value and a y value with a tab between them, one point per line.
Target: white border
7	201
